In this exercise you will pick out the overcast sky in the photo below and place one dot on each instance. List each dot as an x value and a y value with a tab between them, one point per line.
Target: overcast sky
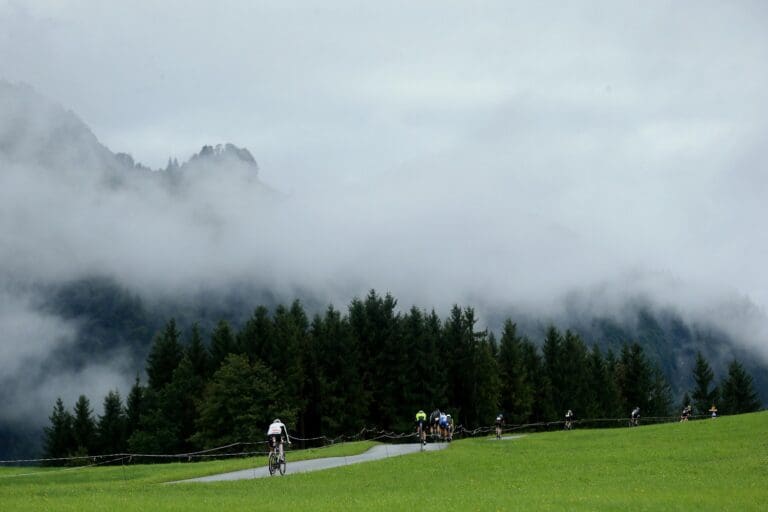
444	151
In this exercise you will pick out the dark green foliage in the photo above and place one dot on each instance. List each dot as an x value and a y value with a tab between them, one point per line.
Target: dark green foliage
739	395
158	430
239	403
164	356
222	344
111	426
516	401
704	394
84	427
633	379
59	436
602	387
254	339
660	401
373	367
341	404
134	408
542	408
576	394
198	355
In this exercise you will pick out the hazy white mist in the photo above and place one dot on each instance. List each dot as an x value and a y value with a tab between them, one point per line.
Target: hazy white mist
491	155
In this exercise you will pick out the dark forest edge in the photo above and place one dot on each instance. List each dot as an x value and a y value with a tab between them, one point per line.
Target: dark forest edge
371	367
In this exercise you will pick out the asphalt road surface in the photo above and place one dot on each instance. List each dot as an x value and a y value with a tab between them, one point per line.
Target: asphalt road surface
381	451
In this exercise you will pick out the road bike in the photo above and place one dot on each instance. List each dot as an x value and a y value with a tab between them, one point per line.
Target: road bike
421	436
276	462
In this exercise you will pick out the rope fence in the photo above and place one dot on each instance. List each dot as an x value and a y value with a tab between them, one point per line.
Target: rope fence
261	449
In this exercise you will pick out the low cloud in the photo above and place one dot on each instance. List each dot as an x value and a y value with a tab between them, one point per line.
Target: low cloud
506	158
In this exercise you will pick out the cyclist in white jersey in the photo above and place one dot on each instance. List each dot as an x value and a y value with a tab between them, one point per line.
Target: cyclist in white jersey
277	434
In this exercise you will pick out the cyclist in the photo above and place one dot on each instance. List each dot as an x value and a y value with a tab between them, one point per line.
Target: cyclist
686	413
713	410
434	420
277	434
569	420
443	423
421	422
499	425
634	419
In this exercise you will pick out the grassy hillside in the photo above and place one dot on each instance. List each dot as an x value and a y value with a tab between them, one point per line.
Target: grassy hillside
709	464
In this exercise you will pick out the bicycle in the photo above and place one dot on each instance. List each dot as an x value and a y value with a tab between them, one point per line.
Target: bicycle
421	435
276	462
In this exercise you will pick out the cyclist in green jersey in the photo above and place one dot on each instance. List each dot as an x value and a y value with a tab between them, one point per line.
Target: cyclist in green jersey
421	421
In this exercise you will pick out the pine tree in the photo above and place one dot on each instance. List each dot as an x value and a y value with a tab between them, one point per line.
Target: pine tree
253	340
660	400
516	399
703	395
177	401
288	334
59	438
198	355
342	407
602	385
84	427
111	426
542	409
575	393
222	343
134	407
164	356
739	395
634	379
554	364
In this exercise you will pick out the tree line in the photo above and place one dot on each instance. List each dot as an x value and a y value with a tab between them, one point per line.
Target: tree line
369	367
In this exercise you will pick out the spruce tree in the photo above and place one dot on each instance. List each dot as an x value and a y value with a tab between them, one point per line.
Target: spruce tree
554	364
516	398
343	405
222	343
198	354
602	386
111	426
84	427
134	407
164	356
59	437
704	394
739	395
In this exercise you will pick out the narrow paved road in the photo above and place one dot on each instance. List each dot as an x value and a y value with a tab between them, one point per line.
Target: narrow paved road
381	451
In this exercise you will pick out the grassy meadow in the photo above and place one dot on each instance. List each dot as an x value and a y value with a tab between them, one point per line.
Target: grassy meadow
717	464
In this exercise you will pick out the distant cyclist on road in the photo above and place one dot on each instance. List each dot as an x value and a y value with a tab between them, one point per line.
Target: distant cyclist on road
634	419
569	416
421	425
277	434
686	413
499	425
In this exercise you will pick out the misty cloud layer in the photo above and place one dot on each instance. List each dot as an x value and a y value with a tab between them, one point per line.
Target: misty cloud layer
506	158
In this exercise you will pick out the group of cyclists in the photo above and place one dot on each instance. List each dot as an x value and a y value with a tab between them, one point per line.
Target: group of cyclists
439	425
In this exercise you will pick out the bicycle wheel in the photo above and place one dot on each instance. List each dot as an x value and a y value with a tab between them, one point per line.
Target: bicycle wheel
281	465
272	463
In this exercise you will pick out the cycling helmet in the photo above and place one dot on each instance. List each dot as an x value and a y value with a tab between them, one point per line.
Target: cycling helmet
277	420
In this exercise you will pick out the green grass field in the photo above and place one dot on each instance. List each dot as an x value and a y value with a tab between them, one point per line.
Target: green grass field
704	465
